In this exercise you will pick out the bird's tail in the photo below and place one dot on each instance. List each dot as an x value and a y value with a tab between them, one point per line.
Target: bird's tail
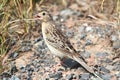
84	65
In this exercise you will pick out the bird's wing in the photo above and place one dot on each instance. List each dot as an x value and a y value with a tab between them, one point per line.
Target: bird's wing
58	40
55	38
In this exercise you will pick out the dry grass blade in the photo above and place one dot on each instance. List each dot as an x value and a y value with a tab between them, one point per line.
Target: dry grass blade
13	49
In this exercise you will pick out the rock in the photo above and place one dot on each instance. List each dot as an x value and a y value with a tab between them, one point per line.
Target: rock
14	78
56	76
69	77
109	67
23	69
70	33
13	69
117	66
66	13
14	55
86	54
114	37
102	54
118	75
107	60
83	35
55	17
106	77
81	29
103	69
5	75
85	76
88	29
116	44
88	42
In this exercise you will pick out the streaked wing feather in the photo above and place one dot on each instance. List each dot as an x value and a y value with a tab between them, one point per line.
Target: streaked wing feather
58	40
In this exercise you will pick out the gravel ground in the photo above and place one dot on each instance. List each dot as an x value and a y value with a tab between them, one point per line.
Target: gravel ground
97	43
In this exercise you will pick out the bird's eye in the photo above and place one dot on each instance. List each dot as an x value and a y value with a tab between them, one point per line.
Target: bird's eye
43	14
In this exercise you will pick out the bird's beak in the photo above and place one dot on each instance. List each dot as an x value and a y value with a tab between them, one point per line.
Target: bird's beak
37	16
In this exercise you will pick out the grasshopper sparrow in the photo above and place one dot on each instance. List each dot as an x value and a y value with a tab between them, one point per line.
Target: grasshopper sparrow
57	43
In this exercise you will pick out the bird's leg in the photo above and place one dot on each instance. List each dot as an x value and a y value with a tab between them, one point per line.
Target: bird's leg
61	63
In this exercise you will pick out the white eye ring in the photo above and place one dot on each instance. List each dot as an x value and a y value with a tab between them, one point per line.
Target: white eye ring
43	14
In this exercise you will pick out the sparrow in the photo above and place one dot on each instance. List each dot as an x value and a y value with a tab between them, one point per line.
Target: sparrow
57	43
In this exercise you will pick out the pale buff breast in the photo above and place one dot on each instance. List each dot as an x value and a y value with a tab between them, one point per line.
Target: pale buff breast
51	48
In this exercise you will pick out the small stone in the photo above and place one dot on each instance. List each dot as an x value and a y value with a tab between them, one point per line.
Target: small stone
81	29
5	75
106	77
117	66
86	54
70	33
23	69
85	76
102	54
103	69
118	75
55	17
66	12
56	76
83	35
107	60
27	67
114	37
14	78
88	42
69	77
88	29
116	44
15	55
13	69
110	67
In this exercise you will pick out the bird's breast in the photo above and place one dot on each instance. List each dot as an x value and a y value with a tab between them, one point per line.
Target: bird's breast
53	50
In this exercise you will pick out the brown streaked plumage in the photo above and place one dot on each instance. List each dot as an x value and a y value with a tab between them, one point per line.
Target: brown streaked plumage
58	44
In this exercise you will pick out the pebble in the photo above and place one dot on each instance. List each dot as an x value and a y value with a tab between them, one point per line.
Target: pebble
5	75
83	35
103	69
118	75
88	29
66	12
109	67
106	77
116	44
85	76
102	54
88	42
81	29
69	77
86	54
55	76
14	78
15	54
55	17
23	69
107	60
70	33
114	37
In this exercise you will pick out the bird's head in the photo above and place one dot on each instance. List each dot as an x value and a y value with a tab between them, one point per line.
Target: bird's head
43	16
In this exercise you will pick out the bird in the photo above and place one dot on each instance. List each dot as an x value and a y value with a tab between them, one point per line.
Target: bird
57	42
